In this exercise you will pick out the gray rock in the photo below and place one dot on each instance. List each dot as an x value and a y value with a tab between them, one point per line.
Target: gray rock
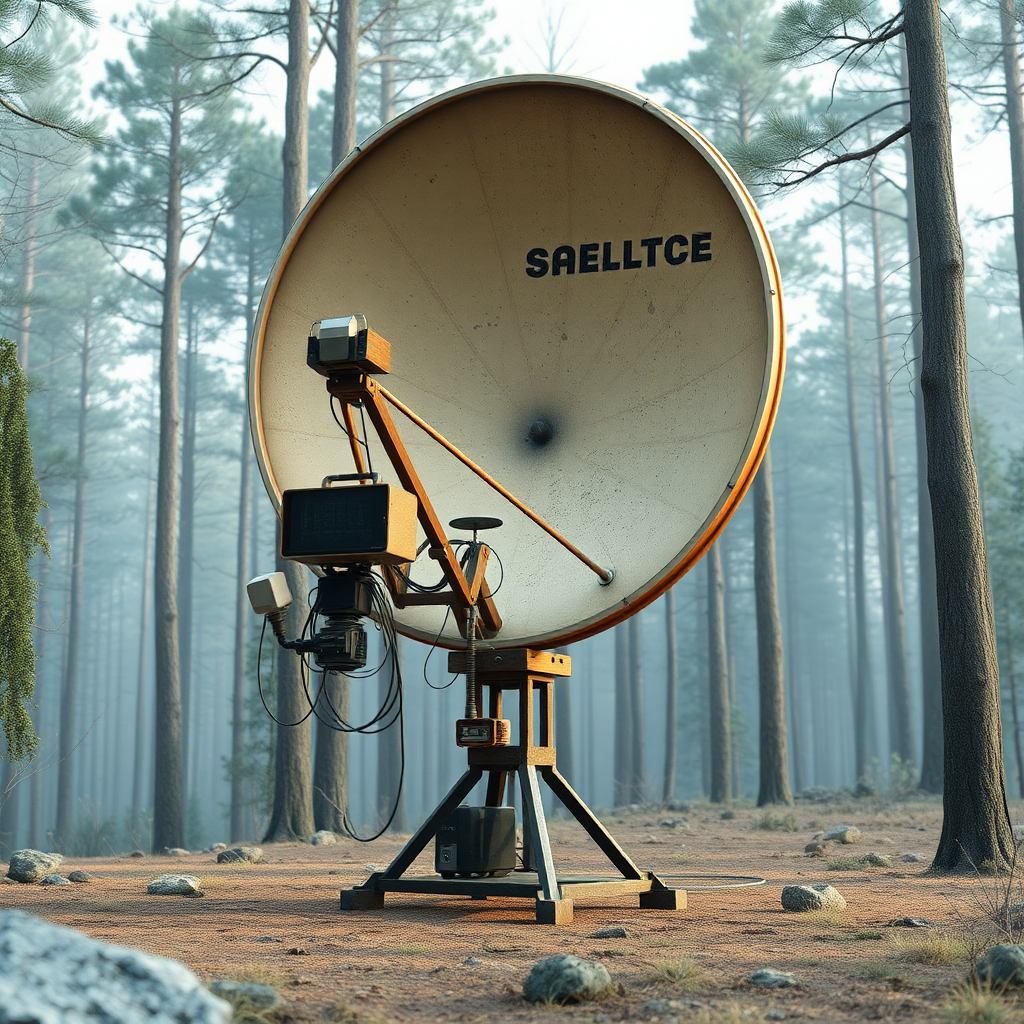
174	851
79	876
566	979
673	823
678	805
471	961
775	1015
137	853
174	885
323	838
812	897
911	858
910	922
815	849
31	866
661	1007
727	815
240	855
1003	965
55	880
55	975
768	977
259	997
843	834
269	938
609	933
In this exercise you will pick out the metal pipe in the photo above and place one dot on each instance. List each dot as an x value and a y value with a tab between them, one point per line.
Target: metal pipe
606	575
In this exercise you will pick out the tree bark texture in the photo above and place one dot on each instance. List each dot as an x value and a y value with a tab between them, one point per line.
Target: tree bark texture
862	650
186	542
168	763
67	763
901	740
976	823
142	677
931	669
623	719
791	665
292	813
718	681
773	785
668	783
346	80
638	781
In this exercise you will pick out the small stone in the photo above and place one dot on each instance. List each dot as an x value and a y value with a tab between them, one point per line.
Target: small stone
678	805
812	897
217	847
659	1007
298	951
54	880
174	885
775	1015
609	933
269	938
136	853
911	858
323	838
843	834
768	977
672	823
815	850
567	979
174	851
30	866
471	961
1003	965
258	997
727	815
79	876
241	855
910	922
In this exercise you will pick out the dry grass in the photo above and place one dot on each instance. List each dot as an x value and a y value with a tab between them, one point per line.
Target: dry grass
769	821
975	1004
258	976
829	918
934	949
684	975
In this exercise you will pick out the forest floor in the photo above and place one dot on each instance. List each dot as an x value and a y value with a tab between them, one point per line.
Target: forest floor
426	958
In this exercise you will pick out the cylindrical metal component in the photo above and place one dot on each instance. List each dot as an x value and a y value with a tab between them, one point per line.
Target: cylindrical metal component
472	698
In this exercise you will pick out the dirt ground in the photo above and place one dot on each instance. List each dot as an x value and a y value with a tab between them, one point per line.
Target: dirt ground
452	959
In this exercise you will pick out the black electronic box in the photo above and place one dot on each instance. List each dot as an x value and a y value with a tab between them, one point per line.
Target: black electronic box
476	842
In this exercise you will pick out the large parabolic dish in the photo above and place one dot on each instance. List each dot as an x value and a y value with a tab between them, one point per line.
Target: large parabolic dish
544	248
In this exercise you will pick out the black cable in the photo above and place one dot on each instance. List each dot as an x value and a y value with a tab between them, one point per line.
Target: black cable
345	430
362	419
259	684
433	647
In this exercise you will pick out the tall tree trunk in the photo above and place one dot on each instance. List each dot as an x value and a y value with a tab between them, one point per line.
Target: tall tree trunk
773	785
66	768
668	782
1015	123
1011	667
387	69
718	681
142	677
623	770
791	663
346	80
931	669
638	781
168	804
186	542
292	815
976	822
237	829
901	740
862	658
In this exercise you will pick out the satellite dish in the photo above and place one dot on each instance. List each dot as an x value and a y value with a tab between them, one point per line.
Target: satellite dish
581	296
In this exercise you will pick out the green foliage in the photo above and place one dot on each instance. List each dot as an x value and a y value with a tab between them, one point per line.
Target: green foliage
808	31
20	535
772	822
28	65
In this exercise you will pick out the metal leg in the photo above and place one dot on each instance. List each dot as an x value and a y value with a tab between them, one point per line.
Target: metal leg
429	828
585	816
533	819
495	788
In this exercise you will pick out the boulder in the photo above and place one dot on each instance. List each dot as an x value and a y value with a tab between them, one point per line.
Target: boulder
1002	965
55	975
566	979
79	876
32	865
911	858
323	838
812	897
55	880
240	855
768	977
843	834
258	997
174	885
